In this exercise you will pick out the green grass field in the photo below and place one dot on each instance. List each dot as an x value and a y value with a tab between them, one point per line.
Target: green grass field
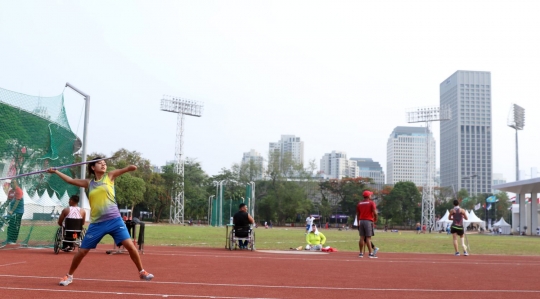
284	238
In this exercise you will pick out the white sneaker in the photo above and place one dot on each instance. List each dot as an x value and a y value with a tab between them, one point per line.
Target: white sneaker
145	275
66	280
375	250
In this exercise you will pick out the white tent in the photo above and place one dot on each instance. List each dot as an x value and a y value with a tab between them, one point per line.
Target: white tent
65	199
48	206
3	196
30	206
441	224
505	227
473	219
55	199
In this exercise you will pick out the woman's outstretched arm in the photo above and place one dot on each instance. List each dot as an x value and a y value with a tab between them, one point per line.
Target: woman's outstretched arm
68	179
118	172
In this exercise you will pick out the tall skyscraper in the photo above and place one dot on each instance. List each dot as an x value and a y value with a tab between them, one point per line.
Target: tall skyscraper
466	144
406	155
335	165
254	163
371	169
289	144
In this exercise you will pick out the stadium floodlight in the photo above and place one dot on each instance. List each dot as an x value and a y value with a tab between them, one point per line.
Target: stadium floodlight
181	107
516	120
516	117
427	115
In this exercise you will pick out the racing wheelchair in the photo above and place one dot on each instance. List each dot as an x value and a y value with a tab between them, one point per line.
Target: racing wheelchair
72	232
242	233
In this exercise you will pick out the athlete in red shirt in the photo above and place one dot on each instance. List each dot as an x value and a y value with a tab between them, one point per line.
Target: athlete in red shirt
367	215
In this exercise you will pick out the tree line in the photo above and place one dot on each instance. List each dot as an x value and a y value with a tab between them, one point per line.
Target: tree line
288	193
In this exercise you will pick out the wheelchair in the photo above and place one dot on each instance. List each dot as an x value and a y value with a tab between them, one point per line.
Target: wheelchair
72	232
233	239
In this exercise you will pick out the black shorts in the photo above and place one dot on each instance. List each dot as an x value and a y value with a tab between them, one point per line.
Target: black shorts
456	229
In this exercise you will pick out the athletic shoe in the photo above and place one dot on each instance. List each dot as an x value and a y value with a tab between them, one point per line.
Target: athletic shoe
145	275
375	250
465	253
66	280
372	256
361	255
457	254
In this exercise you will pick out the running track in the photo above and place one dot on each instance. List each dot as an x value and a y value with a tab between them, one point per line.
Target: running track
218	273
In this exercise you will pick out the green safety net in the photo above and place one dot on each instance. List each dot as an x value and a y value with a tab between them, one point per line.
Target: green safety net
34	135
223	210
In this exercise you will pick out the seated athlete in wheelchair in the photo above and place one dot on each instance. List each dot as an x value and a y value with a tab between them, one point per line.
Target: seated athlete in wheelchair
71	231
242	230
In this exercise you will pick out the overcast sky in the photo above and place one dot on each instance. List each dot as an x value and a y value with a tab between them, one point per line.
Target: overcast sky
338	74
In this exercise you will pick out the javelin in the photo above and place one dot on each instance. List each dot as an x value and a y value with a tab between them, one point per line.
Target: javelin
59	167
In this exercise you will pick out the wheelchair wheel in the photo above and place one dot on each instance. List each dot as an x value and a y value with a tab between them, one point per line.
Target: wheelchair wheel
252	247
58	240
81	236
231	240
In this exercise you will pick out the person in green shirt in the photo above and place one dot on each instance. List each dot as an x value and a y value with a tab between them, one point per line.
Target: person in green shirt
315	239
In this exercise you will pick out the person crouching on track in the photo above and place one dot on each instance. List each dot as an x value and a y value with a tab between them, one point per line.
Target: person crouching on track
72	212
315	239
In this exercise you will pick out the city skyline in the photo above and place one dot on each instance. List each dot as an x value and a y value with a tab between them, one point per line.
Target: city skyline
340	75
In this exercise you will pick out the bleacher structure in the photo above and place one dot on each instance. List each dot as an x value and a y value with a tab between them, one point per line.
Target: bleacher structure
35	135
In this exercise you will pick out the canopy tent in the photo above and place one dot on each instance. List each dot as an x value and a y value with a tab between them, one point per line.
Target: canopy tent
505	227
441	224
3	196
473	219
55	199
65	199
29	206
48	206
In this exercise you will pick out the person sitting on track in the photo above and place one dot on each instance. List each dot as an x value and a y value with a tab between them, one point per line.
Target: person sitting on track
241	221
72	212
315	239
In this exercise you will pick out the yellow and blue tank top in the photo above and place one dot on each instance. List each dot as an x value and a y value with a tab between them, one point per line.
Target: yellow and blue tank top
103	205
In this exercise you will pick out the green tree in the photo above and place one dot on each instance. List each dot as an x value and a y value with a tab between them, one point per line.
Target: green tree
129	190
348	192
195	191
403	205
157	197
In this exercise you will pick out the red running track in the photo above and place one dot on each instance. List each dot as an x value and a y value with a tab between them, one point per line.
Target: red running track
218	273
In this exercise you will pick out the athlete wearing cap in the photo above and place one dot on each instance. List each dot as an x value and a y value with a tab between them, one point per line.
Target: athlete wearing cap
367	215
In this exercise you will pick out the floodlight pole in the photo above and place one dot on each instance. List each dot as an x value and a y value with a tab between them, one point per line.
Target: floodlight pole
517	157
516	120
181	107
85	133
428	115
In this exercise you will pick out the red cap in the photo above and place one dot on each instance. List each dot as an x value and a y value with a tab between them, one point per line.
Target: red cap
367	193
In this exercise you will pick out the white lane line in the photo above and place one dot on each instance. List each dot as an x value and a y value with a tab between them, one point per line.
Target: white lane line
124	293
4	265
353	258
286	287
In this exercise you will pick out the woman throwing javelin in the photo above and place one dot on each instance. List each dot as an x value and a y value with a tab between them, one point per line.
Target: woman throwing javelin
104	213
